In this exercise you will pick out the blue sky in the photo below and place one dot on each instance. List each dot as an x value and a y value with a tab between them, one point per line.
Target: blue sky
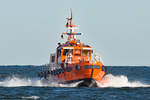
119	30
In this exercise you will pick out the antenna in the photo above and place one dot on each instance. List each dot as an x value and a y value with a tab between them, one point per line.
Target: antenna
71	13
70	27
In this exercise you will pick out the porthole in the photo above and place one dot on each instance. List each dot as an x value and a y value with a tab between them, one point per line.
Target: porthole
77	67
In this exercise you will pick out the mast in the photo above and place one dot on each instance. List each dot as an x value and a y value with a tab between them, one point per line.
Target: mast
69	26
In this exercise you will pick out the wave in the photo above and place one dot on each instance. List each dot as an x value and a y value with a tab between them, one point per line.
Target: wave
120	81
108	81
18	82
31	97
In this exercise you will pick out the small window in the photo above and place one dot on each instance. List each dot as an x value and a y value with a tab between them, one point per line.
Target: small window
77	67
86	52
67	51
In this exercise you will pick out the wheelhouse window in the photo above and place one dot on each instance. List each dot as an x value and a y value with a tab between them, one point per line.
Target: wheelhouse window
86	52
67	51
77	52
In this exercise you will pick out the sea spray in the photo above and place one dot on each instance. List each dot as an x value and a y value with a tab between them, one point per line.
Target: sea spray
31	97
120	81
109	81
18	82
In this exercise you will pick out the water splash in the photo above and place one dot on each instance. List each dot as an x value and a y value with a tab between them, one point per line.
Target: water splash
31	97
18	82
120	81
109	81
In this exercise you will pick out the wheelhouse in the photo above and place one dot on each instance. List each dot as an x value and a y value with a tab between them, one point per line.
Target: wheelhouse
76	54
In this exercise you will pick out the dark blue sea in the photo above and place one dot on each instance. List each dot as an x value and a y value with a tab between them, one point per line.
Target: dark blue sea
123	83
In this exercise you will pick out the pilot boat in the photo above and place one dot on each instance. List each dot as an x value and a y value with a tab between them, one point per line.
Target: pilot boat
74	61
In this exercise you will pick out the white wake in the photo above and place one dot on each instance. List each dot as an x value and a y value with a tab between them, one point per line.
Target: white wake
109	81
31	97
18	82
120	81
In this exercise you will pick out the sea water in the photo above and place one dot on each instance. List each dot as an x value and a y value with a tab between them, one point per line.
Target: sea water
123	83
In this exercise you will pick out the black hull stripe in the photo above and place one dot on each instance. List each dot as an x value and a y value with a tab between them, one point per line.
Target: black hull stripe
72	81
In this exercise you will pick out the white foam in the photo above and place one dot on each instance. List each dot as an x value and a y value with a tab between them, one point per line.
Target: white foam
120	81
18	82
31	97
109	81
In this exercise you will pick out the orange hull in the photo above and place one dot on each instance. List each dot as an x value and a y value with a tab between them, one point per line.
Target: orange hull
75	72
